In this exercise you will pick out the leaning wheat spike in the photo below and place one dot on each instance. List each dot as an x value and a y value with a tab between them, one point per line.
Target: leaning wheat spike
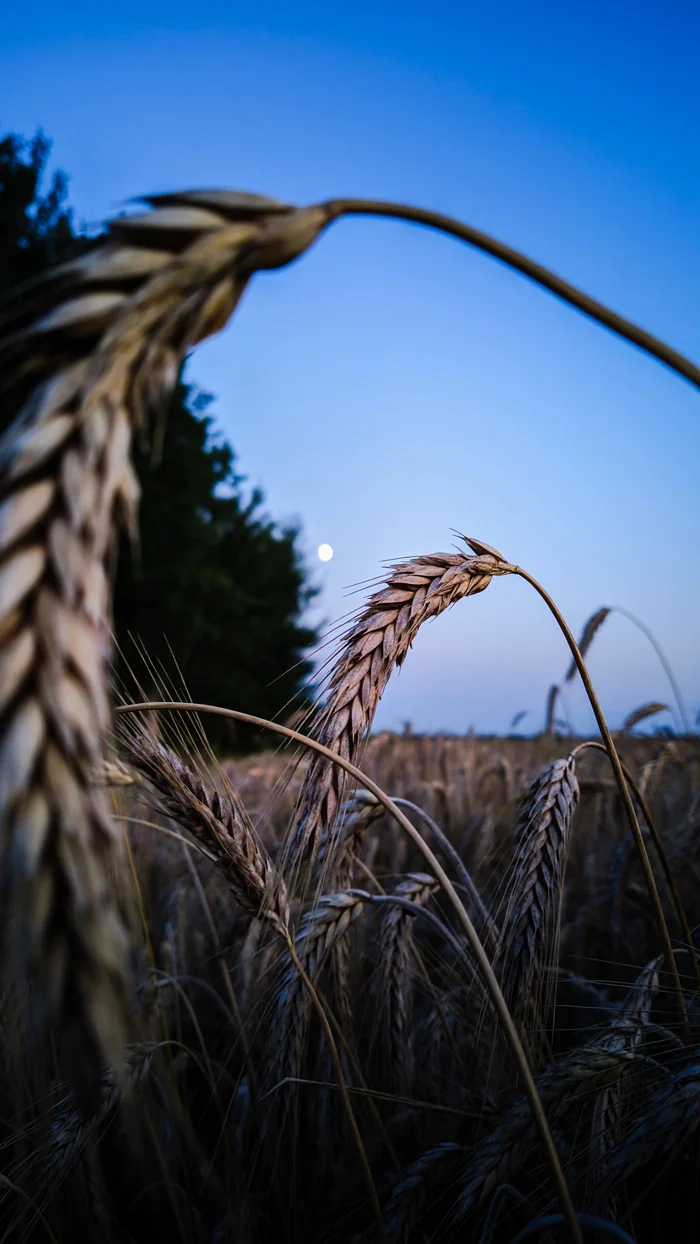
640	714
589	633
498	1156
376	642
394	981
541	838
671	1115
96	344
608	1105
415	1185
221	823
320	931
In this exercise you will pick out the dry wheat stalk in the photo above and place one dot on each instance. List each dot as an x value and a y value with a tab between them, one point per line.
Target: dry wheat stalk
222	824
375	643
541	838
394	981
100	340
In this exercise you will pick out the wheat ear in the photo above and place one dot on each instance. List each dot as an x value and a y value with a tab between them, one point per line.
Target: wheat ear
541	839
670	1117
320	931
375	643
608	1106
222	823
498	1155
101	340
393	980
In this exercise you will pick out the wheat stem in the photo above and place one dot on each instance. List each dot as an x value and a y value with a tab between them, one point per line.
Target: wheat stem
624	790
485	969
592	744
336	208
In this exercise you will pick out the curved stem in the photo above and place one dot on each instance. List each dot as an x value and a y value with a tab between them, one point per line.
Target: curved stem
482	960
592	744
413	909
624	790
336	208
682	710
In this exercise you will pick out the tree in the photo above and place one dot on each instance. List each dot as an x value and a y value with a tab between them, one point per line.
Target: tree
213	583
213	590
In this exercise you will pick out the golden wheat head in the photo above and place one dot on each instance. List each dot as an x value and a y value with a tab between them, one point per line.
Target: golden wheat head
96	343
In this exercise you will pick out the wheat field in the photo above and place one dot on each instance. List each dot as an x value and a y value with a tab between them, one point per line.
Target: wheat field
450	994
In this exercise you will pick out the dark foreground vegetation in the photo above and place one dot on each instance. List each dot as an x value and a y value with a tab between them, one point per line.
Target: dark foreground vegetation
232	1127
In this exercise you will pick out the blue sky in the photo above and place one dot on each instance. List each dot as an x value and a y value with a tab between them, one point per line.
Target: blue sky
394	385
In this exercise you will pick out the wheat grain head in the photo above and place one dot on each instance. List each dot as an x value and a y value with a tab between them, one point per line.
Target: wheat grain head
97	343
375	643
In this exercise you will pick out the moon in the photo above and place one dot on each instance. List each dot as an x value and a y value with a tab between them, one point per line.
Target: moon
325	552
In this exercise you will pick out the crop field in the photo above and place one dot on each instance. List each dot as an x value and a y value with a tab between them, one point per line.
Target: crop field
364	987
232	1125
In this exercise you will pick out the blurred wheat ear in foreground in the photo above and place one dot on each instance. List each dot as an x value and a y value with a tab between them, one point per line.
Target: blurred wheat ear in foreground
99	341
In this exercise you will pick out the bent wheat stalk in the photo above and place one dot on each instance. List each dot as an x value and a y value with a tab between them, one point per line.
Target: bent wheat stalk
490	930
589	632
534	271
376	643
480	956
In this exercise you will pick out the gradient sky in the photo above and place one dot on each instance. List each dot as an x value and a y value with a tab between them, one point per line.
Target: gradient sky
394	385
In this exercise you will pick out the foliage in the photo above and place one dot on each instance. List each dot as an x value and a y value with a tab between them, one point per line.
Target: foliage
212	581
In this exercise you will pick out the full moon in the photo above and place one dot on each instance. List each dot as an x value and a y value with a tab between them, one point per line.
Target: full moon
325	552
